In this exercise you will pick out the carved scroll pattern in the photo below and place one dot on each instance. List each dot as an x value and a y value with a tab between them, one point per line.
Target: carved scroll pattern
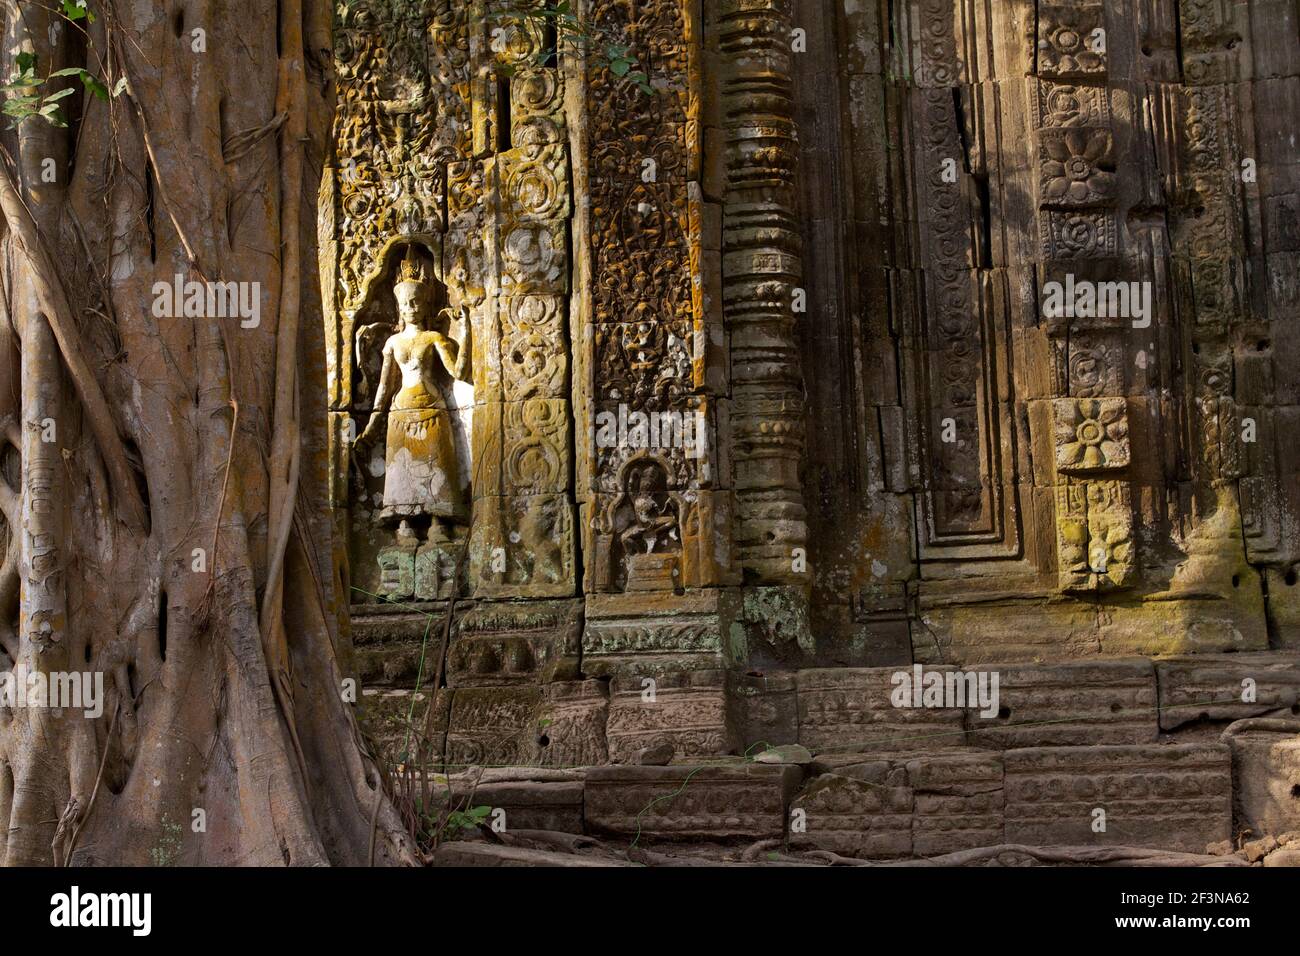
524	535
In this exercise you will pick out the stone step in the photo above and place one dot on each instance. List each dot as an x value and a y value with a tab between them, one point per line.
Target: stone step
704	801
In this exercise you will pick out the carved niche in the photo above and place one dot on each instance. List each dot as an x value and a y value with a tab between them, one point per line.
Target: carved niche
451	141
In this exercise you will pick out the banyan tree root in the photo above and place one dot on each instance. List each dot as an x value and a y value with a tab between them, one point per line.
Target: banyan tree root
176	550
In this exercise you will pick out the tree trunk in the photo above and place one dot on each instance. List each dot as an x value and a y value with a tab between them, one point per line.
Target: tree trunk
174	536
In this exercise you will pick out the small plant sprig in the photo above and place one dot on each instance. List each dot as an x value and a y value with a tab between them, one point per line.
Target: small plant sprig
463	821
572	29
27	92
77	10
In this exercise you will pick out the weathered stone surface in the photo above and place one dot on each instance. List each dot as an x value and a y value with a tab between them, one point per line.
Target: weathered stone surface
493	727
638	635
957	801
485	775
1175	797
850	709
1071	704
500	642
555	725
777	627
686	710
1266	770
390	643
928	803
660	755
572	723
763	709
395	720
1212	687
1256	850
531	805
682	801
866	815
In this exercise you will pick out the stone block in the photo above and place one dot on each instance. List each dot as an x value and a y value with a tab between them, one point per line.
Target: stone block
435	570
1211	687
396	644
494	727
638	635
501	642
687	709
1176	797
744	801
1069	704
572	723
395	721
532	804
522	546
851	709
552	725
462	853
865	815
1266	768
957	801
764	710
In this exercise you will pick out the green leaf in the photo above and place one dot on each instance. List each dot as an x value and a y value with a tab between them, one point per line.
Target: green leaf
53	115
16	108
76	10
26	62
92	84
22	103
67	91
620	66
66	71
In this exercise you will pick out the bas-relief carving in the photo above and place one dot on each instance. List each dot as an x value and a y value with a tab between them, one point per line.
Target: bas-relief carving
421	474
418	129
1125	477
1091	434
640	532
411	458
1060	183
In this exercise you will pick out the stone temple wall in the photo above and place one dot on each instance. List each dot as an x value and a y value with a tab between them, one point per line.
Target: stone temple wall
813	341
1030	485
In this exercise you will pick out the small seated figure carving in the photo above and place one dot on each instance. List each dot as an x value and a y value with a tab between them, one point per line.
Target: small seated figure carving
648	530
652	524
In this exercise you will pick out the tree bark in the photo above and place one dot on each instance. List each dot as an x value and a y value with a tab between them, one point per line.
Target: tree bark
174	537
